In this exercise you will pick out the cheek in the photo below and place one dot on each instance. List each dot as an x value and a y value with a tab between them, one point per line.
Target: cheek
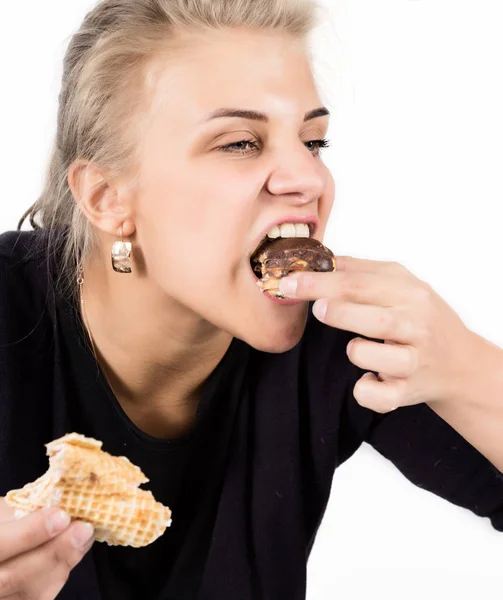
327	200
186	243
191	232
174	215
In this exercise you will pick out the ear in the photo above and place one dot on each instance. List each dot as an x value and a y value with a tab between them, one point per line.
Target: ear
99	198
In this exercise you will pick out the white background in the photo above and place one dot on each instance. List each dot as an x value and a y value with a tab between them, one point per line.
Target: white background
416	92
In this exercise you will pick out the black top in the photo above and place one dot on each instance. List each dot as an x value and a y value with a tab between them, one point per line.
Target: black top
248	486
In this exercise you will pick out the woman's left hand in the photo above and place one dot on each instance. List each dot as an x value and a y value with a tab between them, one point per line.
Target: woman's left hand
427	348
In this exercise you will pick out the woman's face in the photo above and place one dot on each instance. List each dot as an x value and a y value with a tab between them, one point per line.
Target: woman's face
202	209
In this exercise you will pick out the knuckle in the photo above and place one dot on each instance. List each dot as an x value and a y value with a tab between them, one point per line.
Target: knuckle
414	359
422	334
349	286
64	557
424	292
388	324
397	268
33	531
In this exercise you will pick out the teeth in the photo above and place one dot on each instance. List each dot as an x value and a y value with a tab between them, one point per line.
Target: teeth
274	233
301	230
290	230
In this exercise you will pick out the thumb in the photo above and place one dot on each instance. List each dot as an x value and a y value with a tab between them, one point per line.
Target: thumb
6	511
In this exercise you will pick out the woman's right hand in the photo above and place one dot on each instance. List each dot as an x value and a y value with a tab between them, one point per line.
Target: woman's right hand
38	552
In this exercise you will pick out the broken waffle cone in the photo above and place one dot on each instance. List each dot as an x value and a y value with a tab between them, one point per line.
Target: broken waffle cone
94	486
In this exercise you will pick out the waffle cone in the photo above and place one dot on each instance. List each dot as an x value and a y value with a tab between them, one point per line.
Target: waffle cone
94	486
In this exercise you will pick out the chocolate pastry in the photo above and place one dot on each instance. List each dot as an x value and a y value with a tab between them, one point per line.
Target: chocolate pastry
277	258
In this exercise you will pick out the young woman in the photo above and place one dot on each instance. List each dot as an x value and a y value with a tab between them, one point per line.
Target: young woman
190	129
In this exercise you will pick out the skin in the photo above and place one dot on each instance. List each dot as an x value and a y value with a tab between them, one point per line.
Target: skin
195	218
37	553
428	355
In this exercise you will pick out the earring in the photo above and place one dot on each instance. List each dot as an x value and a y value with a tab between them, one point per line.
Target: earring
121	255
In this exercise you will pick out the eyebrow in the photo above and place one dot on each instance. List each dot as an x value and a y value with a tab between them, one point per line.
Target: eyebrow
253	115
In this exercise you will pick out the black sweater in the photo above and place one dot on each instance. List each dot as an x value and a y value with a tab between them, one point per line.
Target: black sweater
248	486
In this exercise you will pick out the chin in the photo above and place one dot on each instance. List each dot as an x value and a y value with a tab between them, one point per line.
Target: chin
277	337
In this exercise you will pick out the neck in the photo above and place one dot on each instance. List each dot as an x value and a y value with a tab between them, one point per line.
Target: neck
155	353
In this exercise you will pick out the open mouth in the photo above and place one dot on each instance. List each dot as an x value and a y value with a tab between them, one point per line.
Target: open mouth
282	236
277	257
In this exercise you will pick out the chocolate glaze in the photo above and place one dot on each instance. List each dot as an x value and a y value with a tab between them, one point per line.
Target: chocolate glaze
282	256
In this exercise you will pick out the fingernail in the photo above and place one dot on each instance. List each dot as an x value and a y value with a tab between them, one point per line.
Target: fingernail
57	522
288	287
88	544
81	534
320	309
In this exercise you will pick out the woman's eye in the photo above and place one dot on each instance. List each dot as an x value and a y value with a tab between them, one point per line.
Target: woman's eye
320	144
237	147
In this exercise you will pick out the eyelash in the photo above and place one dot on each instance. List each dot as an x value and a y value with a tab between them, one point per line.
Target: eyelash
323	143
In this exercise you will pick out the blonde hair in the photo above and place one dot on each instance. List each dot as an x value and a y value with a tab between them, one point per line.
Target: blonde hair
103	86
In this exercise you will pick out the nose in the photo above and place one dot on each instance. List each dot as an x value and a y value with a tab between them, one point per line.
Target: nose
298	175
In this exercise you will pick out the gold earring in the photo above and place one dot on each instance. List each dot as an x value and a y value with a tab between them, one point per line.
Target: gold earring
121	255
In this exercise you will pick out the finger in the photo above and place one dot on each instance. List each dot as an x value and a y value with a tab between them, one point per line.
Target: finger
379	396
393	360
47	566
20	535
361	288
350	263
6	511
368	321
